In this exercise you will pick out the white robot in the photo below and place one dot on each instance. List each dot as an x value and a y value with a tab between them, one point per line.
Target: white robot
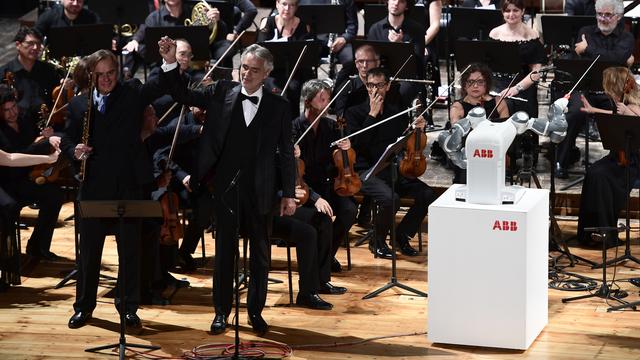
486	146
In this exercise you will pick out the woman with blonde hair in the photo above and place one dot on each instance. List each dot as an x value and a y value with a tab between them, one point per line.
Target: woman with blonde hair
604	190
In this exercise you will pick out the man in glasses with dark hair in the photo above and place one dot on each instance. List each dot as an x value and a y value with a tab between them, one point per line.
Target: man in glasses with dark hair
613	44
369	146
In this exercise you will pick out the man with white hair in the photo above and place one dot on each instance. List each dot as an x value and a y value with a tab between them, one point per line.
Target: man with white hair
614	45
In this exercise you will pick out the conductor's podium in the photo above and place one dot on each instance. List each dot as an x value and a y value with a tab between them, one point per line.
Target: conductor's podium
488	270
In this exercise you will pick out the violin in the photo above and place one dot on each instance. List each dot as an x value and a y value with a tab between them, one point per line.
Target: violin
414	162
46	173
10	81
300	181
347	182
171	230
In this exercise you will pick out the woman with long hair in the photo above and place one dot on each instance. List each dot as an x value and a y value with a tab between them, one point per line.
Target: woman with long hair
604	189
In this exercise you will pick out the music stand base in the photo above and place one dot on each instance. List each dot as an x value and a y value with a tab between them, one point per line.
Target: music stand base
603	292
121	348
365	238
626	257
393	283
624	306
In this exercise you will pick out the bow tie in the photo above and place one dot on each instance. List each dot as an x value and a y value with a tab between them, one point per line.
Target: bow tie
253	99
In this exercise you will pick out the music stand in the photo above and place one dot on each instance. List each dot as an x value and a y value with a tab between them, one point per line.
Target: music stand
323	19
473	24
620	132
285	54
197	36
503	57
79	40
121	209
389	157
392	56
573	69
376	12
121	11
563	30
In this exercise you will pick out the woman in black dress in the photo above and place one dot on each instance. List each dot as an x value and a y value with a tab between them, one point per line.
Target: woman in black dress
604	190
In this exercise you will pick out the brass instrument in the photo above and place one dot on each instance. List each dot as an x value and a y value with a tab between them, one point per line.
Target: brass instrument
86	124
199	18
126	30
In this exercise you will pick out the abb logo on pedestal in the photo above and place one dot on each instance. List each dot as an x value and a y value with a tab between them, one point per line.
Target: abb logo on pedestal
505	225
483	153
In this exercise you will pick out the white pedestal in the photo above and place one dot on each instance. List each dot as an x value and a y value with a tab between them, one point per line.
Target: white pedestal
487	280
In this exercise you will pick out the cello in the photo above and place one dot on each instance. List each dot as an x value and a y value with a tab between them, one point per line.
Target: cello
347	182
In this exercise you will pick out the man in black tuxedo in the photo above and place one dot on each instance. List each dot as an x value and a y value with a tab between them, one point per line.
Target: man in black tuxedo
245	128
117	168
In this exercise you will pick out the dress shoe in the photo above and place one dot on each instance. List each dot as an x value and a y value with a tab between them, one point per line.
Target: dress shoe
406	249
328	288
132	321
312	301
79	319
219	324
335	266
380	252
260	327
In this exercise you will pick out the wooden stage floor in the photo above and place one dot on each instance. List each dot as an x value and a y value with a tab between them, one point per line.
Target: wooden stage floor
33	316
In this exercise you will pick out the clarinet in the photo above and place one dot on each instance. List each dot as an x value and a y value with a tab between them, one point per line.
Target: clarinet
85	130
330	40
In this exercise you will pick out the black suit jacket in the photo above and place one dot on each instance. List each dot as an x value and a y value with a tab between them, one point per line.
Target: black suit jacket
119	165
274	157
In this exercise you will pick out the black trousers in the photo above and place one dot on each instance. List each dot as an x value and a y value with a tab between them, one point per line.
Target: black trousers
92	236
344	210
576	120
49	198
380	190
254	225
311	231
603	195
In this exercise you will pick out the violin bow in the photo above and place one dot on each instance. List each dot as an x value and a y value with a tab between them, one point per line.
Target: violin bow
295	68
502	97
58	98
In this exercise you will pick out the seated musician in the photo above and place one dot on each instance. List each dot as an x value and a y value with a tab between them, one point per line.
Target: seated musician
476	83
341	45
69	13
316	152
18	133
310	229
369	146
286	26
613	44
366	58
531	52
174	13
9	251
33	79
603	190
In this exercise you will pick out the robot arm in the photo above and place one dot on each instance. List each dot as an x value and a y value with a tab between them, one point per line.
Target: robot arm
555	126
451	141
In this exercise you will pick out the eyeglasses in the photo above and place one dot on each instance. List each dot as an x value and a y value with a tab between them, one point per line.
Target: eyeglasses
479	82
32	44
379	86
606	16
365	61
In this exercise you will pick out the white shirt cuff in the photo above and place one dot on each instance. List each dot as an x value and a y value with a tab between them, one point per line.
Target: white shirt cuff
168	67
